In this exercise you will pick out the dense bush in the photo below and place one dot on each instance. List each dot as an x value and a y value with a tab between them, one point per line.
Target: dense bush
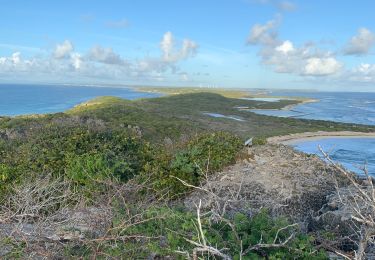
202	155
79	153
89	155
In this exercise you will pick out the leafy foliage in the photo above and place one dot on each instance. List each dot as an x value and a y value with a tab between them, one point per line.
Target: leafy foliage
167	230
202	155
81	154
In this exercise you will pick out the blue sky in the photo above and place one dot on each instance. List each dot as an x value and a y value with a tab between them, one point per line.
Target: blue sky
225	43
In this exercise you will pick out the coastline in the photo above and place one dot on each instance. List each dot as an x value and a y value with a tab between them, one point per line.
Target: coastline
301	102
311	136
170	91
289	107
229	93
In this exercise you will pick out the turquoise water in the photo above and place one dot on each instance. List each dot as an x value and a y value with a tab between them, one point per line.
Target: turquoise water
352	153
348	107
40	99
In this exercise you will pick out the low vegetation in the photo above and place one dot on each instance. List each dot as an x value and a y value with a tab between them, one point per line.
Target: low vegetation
130	163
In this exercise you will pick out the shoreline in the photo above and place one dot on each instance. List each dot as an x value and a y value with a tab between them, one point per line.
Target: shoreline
289	107
170	91
311	136
229	93
301	102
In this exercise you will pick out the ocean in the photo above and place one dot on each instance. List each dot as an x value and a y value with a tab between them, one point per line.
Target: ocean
41	99
347	107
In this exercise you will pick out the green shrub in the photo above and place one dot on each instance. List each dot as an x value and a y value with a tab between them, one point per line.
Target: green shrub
206	153
214	150
166	230
81	154
87	171
259	141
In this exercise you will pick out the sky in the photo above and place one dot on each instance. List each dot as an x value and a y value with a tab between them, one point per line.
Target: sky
320	44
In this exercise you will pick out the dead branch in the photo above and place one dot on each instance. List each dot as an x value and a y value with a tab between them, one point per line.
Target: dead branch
360	201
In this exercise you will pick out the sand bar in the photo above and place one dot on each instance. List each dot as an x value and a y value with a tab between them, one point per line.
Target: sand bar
311	136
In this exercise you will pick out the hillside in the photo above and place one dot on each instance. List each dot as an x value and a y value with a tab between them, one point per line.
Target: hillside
117	178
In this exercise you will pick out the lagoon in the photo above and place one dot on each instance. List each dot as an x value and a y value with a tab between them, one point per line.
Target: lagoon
346	107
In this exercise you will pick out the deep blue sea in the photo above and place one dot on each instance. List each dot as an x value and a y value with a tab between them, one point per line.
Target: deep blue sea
40	99
346	107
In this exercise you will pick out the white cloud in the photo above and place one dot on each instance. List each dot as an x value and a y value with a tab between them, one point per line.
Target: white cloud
322	66
263	34
189	49
63	50
170	54
15	63
286	47
366	68
285	57
100	63
76	60
364	73
361	43
105	55
166	45
16	58
310	61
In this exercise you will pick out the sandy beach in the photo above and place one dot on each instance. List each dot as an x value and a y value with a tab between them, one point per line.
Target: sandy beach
289	107
310	136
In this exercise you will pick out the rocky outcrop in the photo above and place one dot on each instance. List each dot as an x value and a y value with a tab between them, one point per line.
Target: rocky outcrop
275	177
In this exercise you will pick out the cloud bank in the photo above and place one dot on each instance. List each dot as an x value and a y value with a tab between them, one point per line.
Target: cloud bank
101	62
308	60
284	57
